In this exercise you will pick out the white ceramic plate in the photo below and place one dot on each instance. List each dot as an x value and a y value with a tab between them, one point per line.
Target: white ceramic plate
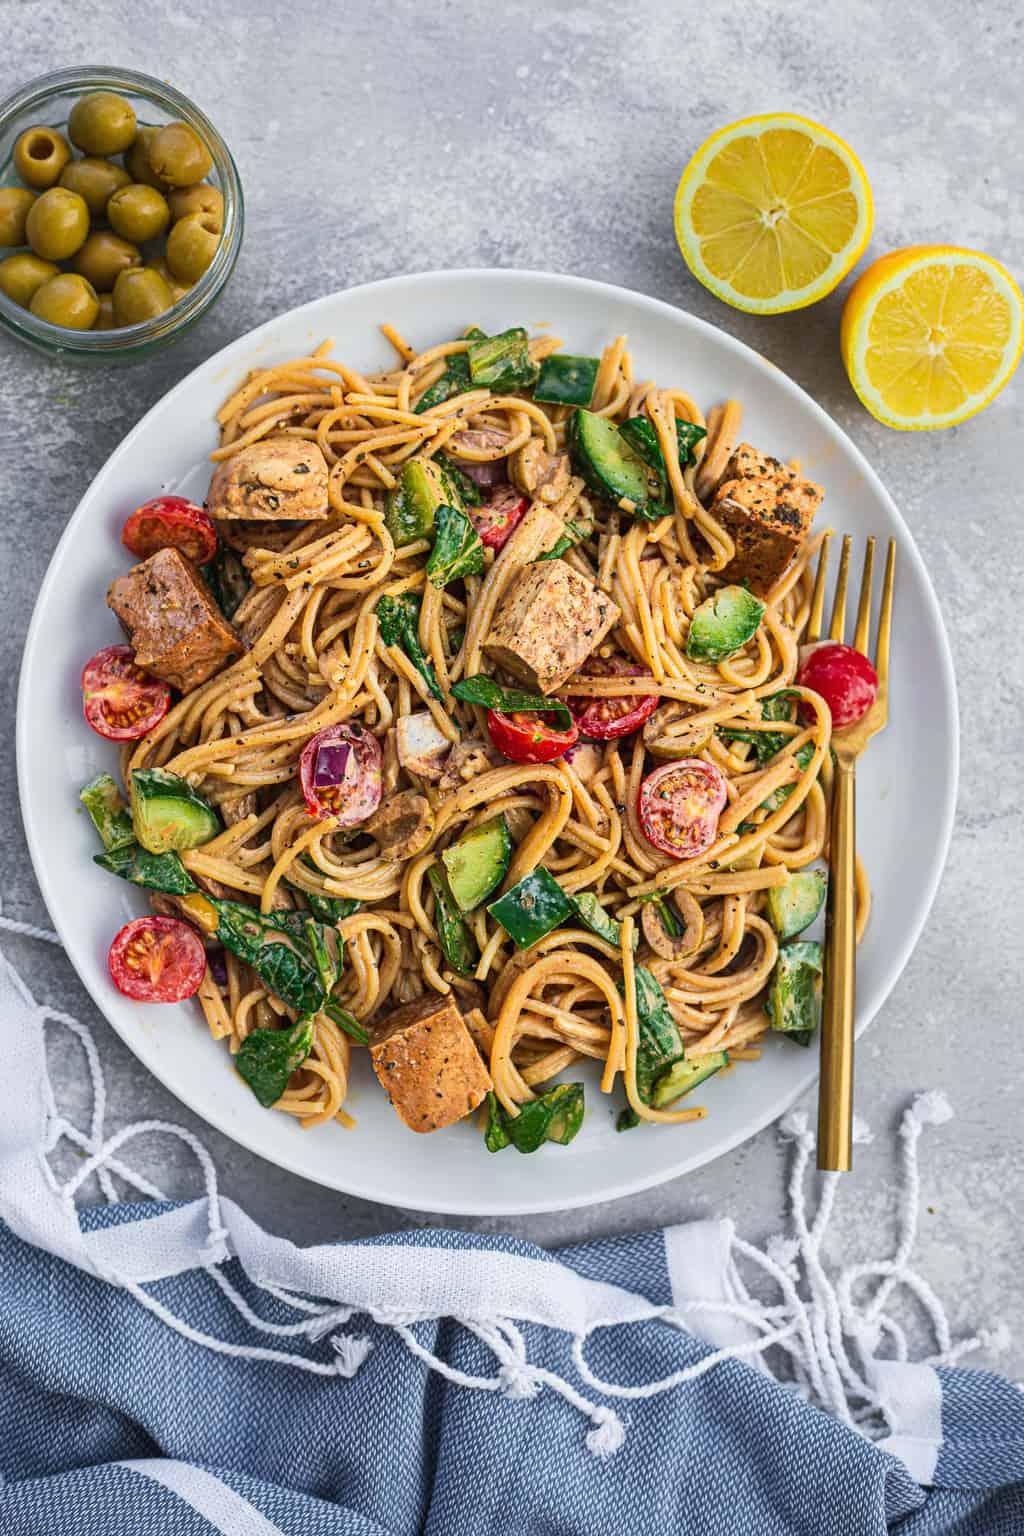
906	791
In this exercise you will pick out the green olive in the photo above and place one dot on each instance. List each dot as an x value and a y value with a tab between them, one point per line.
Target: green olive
66	300
15	203
102	123
105	316
94	179
178	290
191	245
103	257
137	159
57	224
202	198
179	155
40	154
22	274
138	212
140	294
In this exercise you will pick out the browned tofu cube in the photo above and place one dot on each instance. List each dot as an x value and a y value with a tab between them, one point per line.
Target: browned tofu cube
172	622
279	478
767	509
427	1064
548	624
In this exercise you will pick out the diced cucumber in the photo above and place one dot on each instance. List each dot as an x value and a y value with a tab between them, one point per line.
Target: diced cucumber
167	814
794	998
532	908
478	862
567	380
794	906
457	942
108	812
609	465
503	361
684	1075
723	624
409	510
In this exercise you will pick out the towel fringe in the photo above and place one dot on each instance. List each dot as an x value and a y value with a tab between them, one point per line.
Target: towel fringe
830	1339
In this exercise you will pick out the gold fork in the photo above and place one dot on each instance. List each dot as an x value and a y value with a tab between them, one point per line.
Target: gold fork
835	1088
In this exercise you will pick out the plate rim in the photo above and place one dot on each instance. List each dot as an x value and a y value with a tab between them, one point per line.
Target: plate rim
893	970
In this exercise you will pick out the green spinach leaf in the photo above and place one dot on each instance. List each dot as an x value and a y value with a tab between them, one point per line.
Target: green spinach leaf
399	619
267	1058
458	550
491	695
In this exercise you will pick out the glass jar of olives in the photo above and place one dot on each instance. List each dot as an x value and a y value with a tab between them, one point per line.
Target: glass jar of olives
121	214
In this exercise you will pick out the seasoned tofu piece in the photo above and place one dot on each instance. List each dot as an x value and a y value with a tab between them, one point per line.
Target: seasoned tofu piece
548	624
768	509
172	622
427	1064
279	478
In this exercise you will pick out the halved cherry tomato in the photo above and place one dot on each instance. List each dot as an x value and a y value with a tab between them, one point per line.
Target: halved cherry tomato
606	719
171	522
500	515
679	806
120	701
845	679
529	738
341	775
157	960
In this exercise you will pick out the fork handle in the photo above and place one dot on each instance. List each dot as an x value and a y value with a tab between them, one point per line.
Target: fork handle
835	1091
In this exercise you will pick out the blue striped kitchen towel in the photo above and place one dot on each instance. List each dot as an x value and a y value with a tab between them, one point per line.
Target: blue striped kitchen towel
171	1367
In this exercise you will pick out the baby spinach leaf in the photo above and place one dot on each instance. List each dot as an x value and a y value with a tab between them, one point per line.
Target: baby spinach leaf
399	619
108	812
468	491
155	871
555	1116
268	1057
659	1042
457	550
454	381
491	695
279	954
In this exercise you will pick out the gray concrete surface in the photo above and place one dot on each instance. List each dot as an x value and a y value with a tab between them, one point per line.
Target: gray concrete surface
394	137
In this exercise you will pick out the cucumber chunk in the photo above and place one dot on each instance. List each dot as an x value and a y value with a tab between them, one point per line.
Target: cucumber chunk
532	908
503	361
794	906
567	380
684	1075
609	465
723	624
478	862
794	998
410	508
167	814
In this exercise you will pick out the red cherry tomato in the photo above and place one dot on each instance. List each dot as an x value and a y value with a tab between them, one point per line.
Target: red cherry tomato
845	679
171	522
679	806
119	700
157	960
500	515
606	719
527	738
341	775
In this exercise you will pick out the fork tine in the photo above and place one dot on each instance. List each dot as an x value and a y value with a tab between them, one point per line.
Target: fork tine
813	631
862	633
835	629
885	617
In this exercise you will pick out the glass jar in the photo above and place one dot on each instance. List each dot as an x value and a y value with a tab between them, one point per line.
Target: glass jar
47	101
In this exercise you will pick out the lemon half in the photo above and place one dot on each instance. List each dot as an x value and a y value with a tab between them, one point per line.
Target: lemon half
930	335
772	212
